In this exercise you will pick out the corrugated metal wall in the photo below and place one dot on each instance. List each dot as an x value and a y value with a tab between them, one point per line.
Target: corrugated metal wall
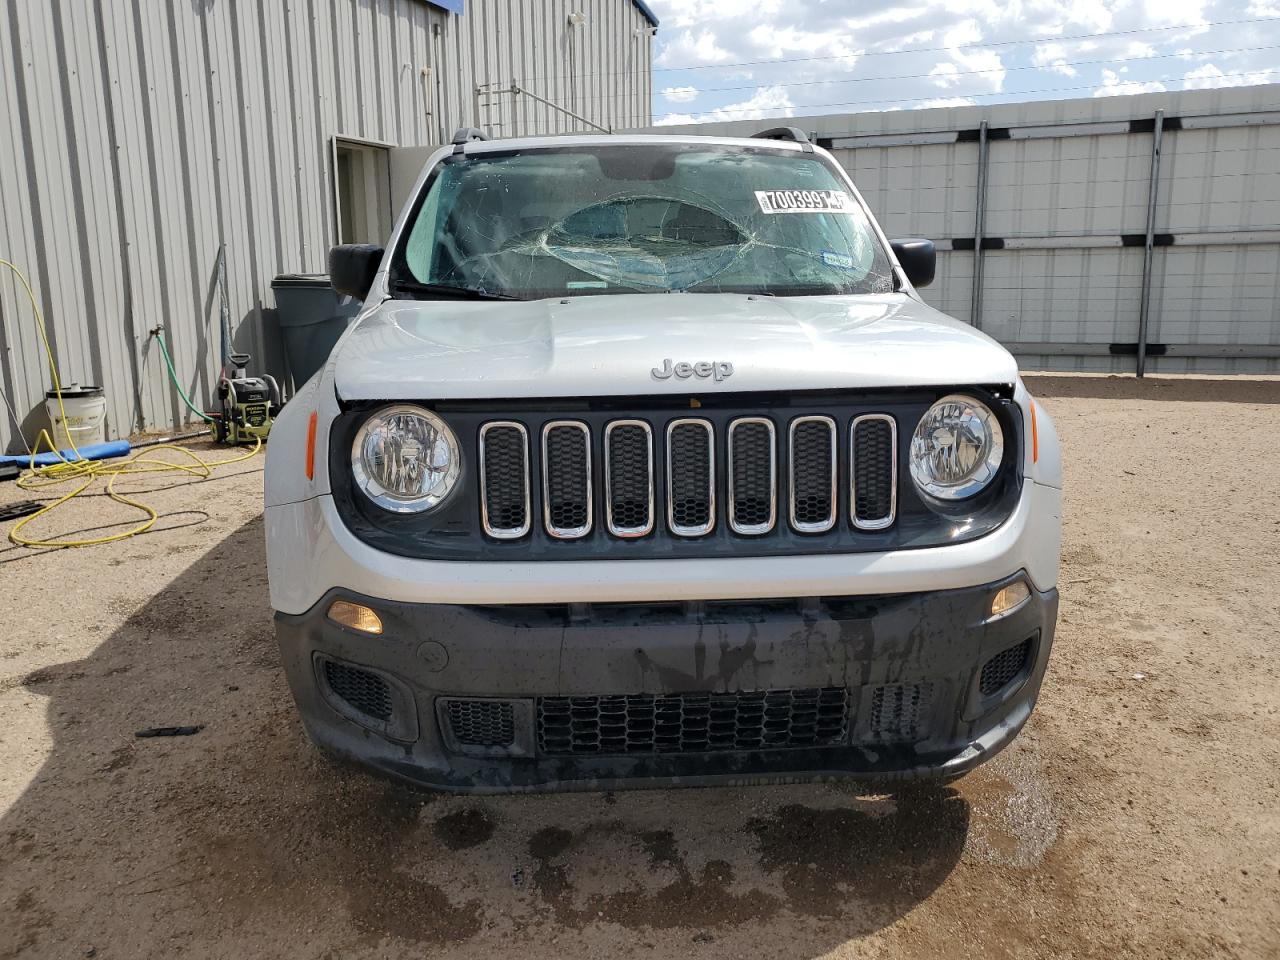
136	136
1065	287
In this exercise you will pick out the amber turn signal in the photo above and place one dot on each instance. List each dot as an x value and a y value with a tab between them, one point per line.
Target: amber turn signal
1009	598
355	616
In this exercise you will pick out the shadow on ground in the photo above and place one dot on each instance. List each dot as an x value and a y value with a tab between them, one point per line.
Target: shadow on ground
242	840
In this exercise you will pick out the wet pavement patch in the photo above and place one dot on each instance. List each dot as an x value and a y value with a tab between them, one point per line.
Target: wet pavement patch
464	828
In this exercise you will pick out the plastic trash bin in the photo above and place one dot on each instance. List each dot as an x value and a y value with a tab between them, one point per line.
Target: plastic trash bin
312	317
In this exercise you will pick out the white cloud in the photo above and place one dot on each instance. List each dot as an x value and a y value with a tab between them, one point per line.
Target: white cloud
944	75
1209	77
946	102
821	56
778	41
765	102
1113	85
680	94
687	49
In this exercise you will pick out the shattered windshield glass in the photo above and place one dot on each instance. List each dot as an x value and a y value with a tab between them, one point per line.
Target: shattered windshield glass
647	218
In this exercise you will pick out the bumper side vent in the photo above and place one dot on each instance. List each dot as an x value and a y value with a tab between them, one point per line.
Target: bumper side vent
371	698
361	690
1004	668
900	712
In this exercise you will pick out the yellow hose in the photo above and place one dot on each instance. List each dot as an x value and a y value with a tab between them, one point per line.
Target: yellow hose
87	471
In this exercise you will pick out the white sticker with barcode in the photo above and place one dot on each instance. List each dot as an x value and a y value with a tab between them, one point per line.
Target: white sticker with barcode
804	201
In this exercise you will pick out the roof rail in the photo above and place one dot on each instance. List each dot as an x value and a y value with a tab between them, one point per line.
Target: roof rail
464	136
794	134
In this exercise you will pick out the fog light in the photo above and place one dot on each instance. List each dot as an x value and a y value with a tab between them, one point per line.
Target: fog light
356	616
1008	599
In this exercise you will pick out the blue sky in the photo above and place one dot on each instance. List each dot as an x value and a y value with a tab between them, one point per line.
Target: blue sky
750	59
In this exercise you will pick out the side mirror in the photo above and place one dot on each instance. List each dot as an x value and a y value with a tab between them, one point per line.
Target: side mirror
352	268
918	258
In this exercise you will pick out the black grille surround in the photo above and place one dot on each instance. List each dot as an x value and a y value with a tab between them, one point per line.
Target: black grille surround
692	722
455	531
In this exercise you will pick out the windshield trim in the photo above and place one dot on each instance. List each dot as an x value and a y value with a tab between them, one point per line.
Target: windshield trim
399	272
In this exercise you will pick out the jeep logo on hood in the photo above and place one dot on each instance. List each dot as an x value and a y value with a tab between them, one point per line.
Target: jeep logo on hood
703	369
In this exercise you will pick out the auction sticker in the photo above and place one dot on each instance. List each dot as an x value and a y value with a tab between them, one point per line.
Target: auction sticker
804	201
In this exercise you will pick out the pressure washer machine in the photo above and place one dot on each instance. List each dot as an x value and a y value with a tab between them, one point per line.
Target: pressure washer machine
247	405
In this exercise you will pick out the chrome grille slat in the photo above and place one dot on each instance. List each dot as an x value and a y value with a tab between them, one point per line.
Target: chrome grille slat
812	463
753	476
505	510
628	483
566	479
873	471
691	477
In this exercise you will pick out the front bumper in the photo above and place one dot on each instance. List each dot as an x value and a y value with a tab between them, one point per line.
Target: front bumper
908	669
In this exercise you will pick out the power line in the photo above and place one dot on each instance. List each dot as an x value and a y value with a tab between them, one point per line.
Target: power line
977	44
791	109
970	73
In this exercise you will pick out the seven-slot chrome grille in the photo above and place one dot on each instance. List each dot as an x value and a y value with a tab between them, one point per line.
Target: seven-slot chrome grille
650	474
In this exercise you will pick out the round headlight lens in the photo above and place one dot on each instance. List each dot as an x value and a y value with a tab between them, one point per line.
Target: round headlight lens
956	449
405	459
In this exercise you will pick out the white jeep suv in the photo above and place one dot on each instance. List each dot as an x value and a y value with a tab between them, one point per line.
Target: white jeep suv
646	464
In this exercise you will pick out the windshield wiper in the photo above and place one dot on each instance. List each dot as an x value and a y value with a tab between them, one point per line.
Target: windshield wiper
446	290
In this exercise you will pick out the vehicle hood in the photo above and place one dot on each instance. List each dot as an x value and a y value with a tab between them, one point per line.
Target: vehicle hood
610	346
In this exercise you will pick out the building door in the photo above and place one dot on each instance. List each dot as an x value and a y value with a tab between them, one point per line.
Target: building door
362	190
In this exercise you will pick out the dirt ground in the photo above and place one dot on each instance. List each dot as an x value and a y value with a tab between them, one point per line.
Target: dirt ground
1138	815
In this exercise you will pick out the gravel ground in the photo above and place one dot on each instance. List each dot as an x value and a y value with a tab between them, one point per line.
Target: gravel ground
1138	815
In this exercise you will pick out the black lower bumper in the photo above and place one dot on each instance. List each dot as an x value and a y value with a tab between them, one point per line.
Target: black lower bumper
498	699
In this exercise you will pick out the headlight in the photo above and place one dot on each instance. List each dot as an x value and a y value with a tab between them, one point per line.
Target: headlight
405	459
956	449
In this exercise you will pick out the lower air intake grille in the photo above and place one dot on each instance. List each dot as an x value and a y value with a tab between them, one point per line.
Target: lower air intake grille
692	722
1003	667
900	711
482	723
363	691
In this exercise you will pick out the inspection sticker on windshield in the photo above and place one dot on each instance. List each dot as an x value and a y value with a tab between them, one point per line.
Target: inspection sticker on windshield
804	201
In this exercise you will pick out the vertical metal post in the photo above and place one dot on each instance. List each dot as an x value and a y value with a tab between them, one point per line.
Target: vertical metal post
979	225
428	112
1144	314
475	106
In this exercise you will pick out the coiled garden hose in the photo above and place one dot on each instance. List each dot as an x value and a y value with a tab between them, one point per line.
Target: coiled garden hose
87	471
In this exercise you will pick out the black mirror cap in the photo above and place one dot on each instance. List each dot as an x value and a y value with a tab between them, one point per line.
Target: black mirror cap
352	268
918	258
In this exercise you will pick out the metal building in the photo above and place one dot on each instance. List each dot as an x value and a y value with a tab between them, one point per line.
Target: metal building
138	137
1085	233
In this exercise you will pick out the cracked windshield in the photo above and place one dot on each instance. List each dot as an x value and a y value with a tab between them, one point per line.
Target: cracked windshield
640	218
